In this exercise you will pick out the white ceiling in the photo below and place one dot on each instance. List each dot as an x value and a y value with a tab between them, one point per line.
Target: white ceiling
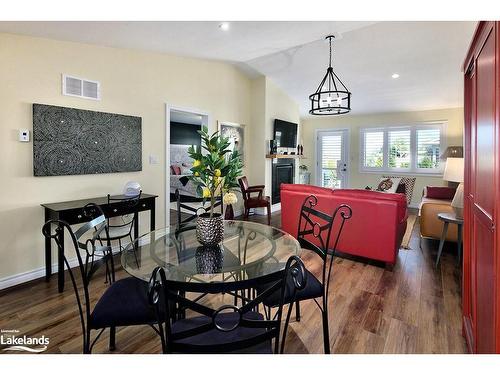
427	55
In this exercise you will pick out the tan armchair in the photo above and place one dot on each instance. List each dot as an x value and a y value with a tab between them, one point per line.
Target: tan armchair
430	206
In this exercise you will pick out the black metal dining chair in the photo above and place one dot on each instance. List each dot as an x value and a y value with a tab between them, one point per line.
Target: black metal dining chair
189	253
229	328
314	233
125	302
193	212
117	231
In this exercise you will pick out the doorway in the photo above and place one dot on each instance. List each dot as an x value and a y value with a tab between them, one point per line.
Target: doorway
332	169
181	132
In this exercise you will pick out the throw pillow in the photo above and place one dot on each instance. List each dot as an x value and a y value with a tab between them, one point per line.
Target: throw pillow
388	185
409	184
175	170
439	192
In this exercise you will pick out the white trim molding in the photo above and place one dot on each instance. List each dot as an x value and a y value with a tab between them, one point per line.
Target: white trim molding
39	272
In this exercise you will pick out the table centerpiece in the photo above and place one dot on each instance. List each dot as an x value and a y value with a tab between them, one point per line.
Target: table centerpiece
215	171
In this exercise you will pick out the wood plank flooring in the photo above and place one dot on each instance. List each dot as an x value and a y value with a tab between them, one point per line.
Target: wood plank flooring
413	308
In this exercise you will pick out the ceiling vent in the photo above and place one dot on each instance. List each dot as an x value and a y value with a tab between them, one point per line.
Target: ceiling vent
81	87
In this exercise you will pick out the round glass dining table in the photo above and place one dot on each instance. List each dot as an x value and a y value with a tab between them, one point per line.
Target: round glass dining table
250	254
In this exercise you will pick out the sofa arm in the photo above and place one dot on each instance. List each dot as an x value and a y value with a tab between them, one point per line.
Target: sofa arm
431	226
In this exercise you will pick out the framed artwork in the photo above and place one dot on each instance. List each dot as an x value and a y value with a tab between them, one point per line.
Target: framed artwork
236	134
70	141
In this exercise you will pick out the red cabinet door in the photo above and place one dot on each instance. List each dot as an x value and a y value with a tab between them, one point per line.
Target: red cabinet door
482	195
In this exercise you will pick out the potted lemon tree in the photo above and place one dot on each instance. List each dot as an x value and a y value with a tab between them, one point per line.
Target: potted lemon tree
215	170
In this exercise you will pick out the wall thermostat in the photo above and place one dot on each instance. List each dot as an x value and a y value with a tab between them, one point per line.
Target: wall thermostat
24	135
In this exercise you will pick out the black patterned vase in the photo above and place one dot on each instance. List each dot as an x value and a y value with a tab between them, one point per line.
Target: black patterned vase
209	259
210	230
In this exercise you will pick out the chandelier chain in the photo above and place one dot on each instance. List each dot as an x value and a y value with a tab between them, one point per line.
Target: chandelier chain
330	40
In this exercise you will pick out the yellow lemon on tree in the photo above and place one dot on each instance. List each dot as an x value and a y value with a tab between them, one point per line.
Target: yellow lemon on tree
206	192
196	163
217	173
196	174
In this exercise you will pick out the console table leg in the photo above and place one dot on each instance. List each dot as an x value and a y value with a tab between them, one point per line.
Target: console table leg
48	259
152	218
48	253
136	226
60	264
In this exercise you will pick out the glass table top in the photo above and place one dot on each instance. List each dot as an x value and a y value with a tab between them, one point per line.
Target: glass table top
248	252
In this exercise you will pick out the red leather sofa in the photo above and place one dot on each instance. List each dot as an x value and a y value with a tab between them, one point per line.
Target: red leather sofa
375	230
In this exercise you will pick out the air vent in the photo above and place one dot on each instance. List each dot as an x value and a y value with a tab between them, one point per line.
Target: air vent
80	87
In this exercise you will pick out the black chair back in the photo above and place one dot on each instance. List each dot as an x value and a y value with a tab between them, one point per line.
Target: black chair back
89	253
193	212
318	226
265	329
131	204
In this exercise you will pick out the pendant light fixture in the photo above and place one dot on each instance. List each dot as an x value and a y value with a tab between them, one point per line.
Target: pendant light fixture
331	96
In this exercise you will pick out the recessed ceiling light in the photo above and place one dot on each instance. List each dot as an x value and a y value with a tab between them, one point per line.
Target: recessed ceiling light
395	75
224	26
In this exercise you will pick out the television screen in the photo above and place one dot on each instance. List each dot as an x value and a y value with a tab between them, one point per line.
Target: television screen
285	133
69	141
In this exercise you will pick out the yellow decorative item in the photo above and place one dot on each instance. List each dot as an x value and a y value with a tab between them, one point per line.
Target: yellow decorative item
217	173
196	163
206	192
230	198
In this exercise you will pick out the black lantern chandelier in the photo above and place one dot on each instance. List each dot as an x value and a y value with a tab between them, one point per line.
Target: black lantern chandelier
331	96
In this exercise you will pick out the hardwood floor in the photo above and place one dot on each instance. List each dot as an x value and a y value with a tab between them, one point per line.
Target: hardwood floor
413	308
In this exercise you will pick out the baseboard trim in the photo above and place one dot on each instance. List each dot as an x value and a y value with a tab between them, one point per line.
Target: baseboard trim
263	211
39	272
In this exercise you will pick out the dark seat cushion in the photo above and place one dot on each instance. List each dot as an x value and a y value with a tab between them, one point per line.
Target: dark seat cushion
255	202
313	289
124	303
216	337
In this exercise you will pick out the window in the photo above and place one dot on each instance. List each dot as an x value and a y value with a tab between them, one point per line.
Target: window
408	149
331	148
399	149
428	148
374	149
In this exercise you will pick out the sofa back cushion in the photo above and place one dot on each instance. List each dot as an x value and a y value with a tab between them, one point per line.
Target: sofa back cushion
399	198
311	189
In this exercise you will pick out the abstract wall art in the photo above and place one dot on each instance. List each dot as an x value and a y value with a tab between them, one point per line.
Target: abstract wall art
69	141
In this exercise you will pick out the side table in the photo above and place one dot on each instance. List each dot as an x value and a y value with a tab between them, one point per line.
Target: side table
448	218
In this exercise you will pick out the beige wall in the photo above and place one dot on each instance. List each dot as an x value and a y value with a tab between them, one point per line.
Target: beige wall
278	106
255	164
132	82
268	103
357	179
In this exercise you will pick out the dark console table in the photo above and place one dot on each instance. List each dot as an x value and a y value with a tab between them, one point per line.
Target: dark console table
72	213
